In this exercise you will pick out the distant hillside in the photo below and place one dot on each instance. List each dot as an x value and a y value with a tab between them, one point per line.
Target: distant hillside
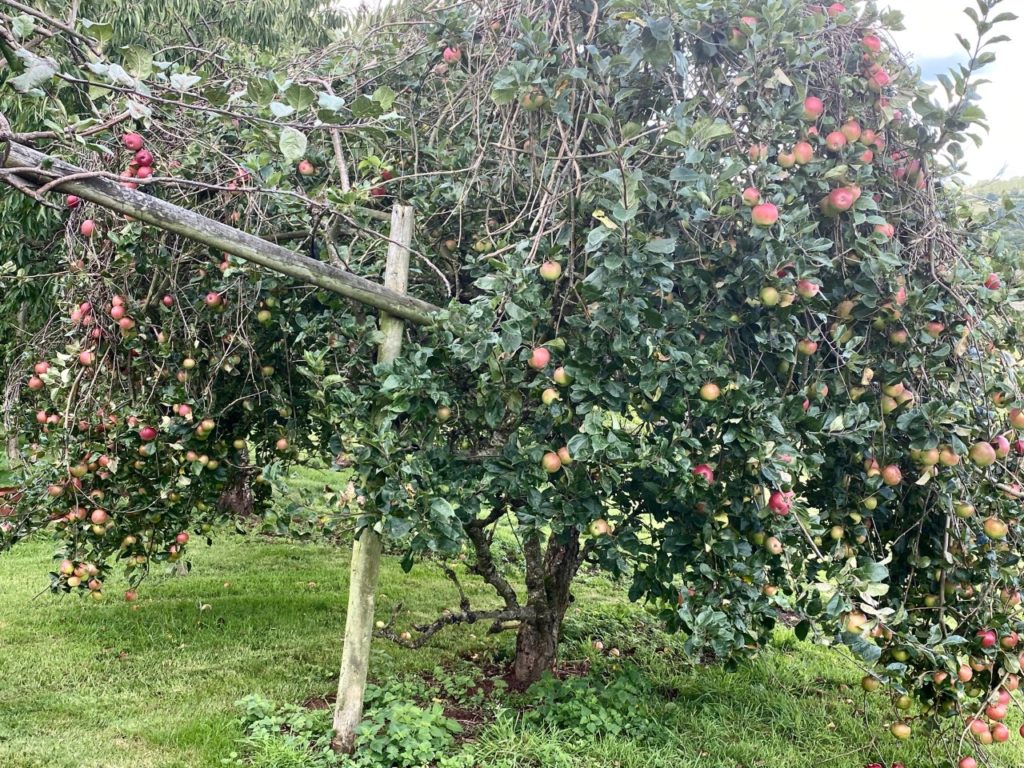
995	190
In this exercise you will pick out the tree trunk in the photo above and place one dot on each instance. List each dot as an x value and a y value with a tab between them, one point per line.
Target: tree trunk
548	580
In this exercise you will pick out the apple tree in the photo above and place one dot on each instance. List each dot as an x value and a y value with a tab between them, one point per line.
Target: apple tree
715	318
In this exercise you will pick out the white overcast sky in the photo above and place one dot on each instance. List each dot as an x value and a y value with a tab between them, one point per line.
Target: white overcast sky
929	40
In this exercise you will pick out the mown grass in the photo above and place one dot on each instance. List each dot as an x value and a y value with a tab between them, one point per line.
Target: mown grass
112	685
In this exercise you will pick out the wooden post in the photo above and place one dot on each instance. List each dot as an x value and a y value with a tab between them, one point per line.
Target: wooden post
216	234
366	550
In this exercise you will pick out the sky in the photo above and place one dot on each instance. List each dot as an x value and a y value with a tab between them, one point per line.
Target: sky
931	43
929	39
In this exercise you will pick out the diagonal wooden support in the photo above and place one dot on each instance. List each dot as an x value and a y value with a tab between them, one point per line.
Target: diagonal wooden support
181	221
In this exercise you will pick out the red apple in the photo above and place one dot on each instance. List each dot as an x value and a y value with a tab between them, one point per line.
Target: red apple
891	475
144	158
835	141
551	463
710	392
72	201
992	282
803	152
982	454
539	358
132	141
1002	446
306	168
995	712
147	433
807	289
751	196
878	78
85	357
87	228
550	271
451	54
703	470
813	108
765	214
852	131
779	503
986	638
806	347
995	528
842	199
872	43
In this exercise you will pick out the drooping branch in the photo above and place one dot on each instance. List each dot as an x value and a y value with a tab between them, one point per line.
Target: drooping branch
38	167
502	619
485	567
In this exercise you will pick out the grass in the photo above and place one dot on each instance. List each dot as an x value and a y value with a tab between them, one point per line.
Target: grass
154	684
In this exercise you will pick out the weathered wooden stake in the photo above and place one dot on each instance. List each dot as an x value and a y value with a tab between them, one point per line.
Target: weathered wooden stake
366	551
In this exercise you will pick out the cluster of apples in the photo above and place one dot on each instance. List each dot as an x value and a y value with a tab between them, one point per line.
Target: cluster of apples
141	164
540	358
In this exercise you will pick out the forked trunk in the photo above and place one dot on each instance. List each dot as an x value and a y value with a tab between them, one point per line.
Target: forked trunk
548	580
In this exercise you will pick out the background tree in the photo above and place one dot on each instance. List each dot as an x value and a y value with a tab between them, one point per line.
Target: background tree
716	321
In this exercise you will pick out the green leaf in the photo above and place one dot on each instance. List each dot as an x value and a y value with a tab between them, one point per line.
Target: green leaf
385	97
330	103
138	62
182	82
300	96
802	629
101	31
261	91
365	107
280	110
664	245
292	144
39	71
23	26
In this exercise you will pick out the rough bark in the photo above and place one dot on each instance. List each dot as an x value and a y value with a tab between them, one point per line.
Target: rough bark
549	578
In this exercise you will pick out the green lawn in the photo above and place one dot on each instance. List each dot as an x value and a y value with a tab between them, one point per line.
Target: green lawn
90	685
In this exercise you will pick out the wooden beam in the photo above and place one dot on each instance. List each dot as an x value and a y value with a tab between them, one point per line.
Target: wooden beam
222	237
